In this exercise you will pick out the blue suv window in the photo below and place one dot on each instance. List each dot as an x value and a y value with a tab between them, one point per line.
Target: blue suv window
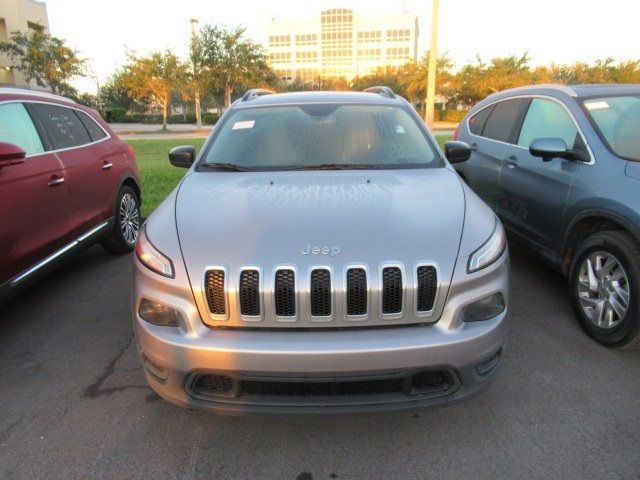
547	119
618	119
503	119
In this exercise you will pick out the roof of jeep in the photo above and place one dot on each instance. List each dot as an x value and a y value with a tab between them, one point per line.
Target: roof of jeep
297	98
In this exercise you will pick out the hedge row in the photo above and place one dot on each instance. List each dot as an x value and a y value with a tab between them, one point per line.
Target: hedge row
119	116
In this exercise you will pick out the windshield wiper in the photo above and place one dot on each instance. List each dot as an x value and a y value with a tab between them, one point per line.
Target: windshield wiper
232	167
337	166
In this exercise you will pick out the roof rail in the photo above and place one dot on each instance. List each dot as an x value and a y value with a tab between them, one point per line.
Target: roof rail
381	90
255	93
24	90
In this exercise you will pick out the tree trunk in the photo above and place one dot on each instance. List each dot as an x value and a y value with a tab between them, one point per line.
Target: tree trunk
198	112
227	96
165	114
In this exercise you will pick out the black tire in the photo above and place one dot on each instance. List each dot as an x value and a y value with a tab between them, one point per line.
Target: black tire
118	241
625	249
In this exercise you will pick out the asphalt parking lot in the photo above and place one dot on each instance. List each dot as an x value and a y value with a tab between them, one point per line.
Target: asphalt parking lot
74	404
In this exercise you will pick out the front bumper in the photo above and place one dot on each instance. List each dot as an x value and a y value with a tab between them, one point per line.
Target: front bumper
470	352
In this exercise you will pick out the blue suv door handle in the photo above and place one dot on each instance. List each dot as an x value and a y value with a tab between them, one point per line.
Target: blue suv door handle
511	161
474	146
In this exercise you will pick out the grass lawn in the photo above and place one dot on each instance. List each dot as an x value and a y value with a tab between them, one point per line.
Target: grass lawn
159	177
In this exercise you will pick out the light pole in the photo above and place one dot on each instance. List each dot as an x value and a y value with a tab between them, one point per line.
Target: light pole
196	84
431	74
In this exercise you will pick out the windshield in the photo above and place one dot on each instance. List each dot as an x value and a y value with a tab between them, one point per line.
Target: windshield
618	119
320	135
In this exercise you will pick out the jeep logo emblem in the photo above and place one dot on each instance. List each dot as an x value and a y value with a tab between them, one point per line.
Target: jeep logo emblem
318	250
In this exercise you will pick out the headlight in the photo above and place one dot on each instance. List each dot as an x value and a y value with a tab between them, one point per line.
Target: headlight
490	251
151	257
484	309
158	314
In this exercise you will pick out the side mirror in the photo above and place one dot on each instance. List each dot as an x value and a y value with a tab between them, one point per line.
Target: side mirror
549	148
183	156
457	152
11	154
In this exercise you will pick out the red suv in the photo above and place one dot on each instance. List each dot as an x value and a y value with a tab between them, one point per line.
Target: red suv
66	181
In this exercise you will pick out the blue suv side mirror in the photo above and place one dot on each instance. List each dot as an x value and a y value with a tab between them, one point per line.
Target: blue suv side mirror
549	148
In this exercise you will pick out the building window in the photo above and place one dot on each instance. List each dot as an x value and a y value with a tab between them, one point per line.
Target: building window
399	35
279	41
369	36
307	39
398	53
302	57
280	57
36	27
369	53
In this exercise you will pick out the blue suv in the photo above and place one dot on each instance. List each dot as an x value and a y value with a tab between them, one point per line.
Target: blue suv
560	165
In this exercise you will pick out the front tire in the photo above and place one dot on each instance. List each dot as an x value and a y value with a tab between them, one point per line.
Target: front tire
605	288
126	222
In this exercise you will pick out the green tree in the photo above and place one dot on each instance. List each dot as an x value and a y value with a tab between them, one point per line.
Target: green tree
154	78
44	59
228	60
475	81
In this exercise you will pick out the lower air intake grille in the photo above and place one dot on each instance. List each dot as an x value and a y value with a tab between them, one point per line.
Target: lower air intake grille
427	286
356	291
250	292
213	384
214	284
285	293
417	383
320	293
391	290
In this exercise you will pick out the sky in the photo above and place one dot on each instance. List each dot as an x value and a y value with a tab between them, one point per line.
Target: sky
552	31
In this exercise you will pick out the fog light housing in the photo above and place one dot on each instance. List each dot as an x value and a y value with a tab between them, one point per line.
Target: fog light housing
484	309
159	314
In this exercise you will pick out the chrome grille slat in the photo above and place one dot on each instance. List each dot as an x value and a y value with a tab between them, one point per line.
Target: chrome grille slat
215	291
427	286
320	292
357	291
249	291
285	293
392	290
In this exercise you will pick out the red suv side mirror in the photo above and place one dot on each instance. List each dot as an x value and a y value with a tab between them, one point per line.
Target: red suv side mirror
11	154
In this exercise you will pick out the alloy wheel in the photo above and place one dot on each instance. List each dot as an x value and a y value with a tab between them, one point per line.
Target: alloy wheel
603	289
129	218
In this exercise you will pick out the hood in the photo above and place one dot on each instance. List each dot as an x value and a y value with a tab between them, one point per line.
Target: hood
318	218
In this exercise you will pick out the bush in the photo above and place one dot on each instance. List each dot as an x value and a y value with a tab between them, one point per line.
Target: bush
449	115
118	115
180	118
209	118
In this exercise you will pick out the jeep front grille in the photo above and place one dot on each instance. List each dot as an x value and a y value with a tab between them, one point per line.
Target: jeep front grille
250	293
320	293
357	291
214	285
322	297
392	290
285	293
427	285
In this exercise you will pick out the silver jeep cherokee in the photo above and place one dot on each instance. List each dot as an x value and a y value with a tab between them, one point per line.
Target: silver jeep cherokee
320	255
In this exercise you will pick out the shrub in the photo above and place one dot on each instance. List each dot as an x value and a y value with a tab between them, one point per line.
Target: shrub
449	115
210	118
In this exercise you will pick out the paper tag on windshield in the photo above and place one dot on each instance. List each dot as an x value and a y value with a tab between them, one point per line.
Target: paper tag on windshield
399	129
597	105
243	125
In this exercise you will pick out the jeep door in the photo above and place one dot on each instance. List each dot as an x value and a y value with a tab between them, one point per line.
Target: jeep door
534	192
